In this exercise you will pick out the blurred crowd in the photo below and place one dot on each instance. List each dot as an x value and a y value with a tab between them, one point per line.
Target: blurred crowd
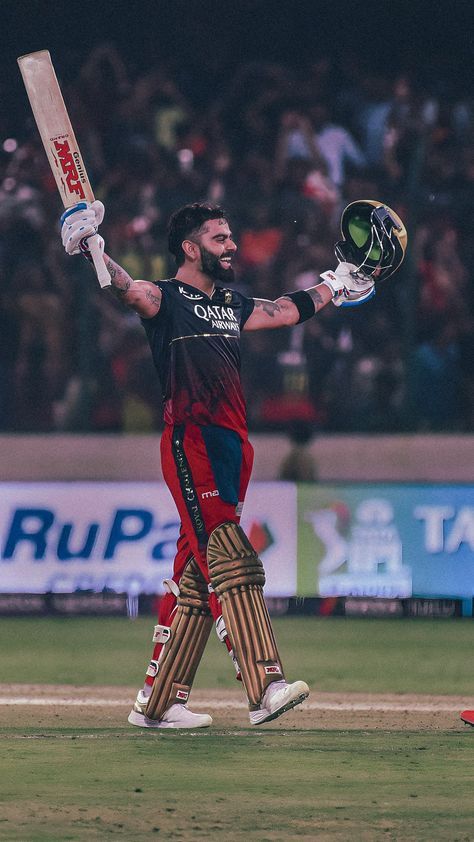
283	150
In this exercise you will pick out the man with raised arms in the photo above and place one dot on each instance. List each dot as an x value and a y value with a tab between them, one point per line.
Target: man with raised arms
193	324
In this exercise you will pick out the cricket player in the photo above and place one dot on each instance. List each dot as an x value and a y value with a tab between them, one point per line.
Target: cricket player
193	323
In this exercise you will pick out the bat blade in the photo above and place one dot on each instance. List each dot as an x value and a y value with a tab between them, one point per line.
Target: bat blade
59	140
55	128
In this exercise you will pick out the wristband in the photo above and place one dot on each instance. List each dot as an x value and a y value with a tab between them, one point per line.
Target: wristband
303	303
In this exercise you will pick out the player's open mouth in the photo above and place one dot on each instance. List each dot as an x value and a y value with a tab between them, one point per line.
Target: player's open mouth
226	261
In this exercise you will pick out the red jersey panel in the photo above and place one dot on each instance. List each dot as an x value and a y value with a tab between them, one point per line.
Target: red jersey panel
195	343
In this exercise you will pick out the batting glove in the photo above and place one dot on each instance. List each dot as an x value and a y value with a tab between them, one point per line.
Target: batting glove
348	286
80	222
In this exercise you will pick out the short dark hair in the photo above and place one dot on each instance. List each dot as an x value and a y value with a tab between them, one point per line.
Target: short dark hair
186	222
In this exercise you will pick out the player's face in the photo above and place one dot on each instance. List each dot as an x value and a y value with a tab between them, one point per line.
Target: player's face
217	249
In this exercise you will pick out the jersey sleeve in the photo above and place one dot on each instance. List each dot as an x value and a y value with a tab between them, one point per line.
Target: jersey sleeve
158	318
248	305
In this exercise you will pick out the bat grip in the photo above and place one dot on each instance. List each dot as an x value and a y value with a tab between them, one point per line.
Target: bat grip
98	261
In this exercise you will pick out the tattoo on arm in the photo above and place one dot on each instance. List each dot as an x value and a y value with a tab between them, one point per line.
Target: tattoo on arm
153	298
121	280
269	307
315	295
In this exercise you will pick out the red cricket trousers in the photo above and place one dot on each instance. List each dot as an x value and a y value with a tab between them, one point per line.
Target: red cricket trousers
207	470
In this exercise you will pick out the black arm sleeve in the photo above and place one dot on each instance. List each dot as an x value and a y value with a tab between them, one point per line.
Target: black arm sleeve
303	303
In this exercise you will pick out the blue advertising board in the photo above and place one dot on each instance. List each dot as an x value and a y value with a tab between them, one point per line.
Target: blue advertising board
386	540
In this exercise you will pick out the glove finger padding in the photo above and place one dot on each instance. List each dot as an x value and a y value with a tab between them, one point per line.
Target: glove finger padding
352	298
73	234
79	222
96	208
99	211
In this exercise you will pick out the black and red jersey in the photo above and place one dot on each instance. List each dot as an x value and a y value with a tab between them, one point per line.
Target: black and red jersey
195	343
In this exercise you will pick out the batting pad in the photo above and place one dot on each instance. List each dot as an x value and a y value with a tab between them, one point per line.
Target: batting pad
180	657
237	577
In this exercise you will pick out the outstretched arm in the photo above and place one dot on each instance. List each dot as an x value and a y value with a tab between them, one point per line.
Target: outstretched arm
345	287
284	311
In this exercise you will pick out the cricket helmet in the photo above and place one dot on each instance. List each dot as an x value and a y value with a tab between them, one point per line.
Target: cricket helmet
374	238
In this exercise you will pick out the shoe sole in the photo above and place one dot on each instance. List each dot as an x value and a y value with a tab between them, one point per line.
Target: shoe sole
141	721
289	705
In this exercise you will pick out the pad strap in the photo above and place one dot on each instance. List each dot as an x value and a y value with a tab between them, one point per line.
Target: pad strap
161	634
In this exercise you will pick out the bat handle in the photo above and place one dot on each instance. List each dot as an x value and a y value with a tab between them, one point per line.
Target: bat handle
98	261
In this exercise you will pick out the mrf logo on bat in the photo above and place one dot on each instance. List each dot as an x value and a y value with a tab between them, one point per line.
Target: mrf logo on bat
70	165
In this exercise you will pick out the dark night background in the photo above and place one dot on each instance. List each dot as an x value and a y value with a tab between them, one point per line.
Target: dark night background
395	75
434	39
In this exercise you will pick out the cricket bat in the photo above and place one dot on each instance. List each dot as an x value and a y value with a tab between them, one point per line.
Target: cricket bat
59	141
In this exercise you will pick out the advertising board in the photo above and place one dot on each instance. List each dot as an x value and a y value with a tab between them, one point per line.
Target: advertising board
391	541
386	540
65	537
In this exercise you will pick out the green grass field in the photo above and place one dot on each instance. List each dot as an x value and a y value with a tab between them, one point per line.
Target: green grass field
332	654
95	781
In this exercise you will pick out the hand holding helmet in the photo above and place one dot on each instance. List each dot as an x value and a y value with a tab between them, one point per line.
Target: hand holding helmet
348	286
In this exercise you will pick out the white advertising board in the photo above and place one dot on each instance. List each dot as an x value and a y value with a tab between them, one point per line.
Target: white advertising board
63	537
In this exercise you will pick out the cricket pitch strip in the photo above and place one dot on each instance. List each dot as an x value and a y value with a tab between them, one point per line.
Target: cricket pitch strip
67	706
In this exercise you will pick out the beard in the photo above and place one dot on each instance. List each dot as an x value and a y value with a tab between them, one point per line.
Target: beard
213	269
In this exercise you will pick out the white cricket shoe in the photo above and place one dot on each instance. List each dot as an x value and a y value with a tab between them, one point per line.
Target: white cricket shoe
277	699
177	716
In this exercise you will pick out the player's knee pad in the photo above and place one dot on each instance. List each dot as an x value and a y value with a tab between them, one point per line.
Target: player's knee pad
180	656
237	577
